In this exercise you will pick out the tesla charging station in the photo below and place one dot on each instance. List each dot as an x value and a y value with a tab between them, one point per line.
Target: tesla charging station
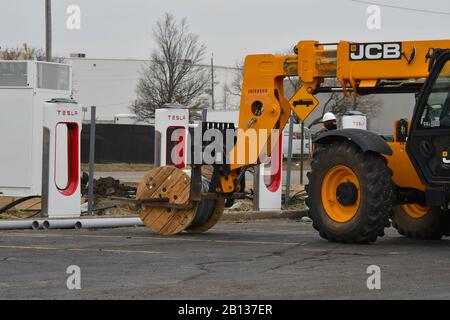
25	168
61	192
354	120
171	143
268	181
24	88
171	136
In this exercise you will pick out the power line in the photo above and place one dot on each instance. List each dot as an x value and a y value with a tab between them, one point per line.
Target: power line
403	8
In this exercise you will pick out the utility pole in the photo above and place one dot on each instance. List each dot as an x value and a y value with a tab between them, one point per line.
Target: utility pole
91	161
302	153
212	81
48	30
287	197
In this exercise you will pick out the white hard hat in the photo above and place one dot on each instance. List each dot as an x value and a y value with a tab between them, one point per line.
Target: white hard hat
329	117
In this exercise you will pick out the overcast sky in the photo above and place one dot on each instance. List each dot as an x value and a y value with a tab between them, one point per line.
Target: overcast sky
231	29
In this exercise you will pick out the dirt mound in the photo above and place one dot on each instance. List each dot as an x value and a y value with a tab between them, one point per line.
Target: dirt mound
107	187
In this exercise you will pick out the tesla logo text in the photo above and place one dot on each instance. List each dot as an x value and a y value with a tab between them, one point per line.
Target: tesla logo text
67	113
375	51
176	118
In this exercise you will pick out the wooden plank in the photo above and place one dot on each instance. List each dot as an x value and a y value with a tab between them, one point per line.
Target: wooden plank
175	221
171	183
162	182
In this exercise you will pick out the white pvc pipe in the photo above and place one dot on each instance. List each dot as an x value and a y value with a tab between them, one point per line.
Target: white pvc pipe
37	225
60	224
71	224
16	225
108	223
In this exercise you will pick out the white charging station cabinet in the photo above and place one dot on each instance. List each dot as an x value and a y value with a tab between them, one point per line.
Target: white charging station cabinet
354	120
269	181
61	190
171	136
24	88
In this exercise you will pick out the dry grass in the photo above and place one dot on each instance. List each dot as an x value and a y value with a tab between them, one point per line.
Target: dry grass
130	167
118	167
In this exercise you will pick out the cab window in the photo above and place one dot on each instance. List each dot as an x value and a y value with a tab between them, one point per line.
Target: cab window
436	113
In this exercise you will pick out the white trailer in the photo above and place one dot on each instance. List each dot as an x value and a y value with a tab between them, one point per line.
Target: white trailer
24	87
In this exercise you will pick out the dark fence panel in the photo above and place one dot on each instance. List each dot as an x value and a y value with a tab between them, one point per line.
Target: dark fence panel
120	144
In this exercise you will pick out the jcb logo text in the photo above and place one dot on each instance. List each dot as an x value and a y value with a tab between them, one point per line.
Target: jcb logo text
375	51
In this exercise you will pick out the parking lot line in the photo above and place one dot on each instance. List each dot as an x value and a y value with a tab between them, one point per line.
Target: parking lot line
42	248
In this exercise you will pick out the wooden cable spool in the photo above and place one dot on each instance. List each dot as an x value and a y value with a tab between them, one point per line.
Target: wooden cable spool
174	184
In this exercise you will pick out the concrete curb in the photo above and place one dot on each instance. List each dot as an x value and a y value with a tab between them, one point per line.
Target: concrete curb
263	215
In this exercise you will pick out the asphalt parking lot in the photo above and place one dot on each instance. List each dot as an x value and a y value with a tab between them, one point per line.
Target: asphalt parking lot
278	259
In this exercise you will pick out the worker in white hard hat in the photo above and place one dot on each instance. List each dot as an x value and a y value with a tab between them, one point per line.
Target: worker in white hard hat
329	121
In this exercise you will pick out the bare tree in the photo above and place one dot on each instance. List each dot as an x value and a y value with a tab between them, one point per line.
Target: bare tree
26	53
173	75
12	54
235	88
226	92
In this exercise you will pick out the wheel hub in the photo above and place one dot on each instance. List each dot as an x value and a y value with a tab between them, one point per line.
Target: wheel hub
415	211
347	194
341	194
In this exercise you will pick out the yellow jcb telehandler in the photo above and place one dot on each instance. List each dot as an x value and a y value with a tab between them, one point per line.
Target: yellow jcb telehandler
359	181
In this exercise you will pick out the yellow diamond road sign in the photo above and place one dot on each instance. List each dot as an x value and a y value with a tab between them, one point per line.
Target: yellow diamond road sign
303	103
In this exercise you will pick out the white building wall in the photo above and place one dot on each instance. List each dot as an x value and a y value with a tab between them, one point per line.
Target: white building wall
110	85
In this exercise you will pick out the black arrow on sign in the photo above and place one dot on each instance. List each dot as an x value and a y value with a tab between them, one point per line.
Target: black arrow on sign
302	102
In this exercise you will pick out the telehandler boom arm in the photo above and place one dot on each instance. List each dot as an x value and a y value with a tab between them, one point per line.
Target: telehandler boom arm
359	68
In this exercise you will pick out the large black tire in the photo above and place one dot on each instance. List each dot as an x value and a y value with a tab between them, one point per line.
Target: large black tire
432	226
375	204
